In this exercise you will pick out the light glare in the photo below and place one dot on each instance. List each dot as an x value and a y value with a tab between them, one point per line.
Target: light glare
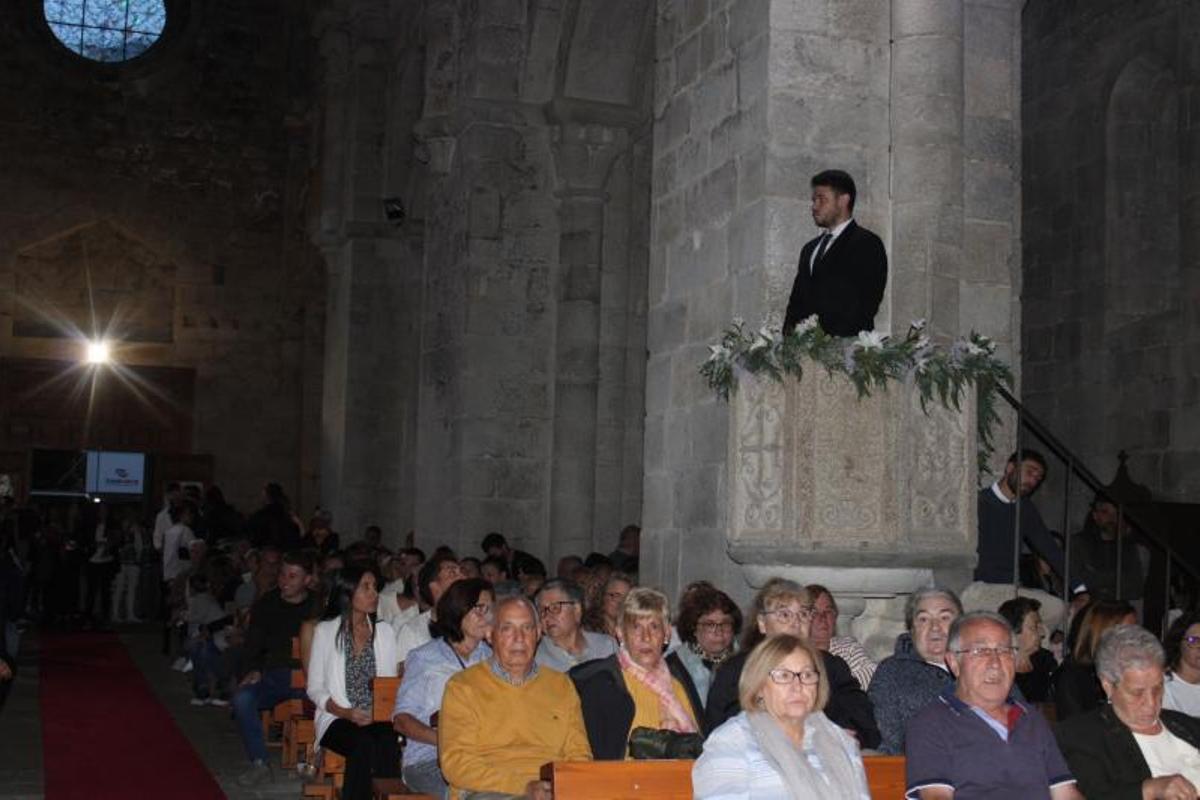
97	353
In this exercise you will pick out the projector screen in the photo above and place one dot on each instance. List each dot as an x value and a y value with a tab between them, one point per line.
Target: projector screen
115	473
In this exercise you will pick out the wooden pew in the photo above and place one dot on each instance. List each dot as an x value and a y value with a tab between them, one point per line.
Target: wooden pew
620	780
885	777
672	780
332	774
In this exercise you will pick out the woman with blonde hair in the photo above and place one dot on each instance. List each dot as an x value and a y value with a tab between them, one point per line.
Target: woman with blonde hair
781	746
783	606
636	687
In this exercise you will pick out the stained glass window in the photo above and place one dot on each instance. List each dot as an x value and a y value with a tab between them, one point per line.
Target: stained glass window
106	30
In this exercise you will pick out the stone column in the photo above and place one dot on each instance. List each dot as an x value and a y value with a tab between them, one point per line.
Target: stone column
365	401
927	163
584	155
753	98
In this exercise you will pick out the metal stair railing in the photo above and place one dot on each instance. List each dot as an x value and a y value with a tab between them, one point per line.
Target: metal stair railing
1028	422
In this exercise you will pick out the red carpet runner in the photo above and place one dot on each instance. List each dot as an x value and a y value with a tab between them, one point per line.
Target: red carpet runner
104	733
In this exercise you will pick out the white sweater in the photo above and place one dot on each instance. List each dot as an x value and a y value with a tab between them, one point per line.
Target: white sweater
327	668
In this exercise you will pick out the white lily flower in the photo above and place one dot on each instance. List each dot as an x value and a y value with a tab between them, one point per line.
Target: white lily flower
718	352
870	340
760	342
807	324
918	324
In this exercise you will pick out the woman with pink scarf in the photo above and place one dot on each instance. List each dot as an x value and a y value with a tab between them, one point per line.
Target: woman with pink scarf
636	688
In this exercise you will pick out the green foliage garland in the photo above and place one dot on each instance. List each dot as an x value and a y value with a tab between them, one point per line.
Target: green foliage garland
869	360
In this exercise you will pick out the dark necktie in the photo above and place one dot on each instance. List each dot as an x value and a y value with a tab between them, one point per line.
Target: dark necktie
824	244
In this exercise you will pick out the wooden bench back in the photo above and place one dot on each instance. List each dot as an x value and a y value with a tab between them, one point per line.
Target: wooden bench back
383	692
620	780
672	780
885	777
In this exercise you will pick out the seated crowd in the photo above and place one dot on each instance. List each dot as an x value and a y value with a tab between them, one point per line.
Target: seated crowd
503	669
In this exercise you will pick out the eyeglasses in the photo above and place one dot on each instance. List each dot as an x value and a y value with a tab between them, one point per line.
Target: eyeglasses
555	607
482	609
807	677
1192	641
787	615
715	627
988	652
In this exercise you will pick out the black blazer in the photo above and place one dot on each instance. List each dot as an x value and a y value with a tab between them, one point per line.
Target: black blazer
848	706
608	707
1104	757
845	288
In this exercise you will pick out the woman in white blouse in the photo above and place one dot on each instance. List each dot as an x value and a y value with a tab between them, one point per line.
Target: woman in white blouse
781	746
349	650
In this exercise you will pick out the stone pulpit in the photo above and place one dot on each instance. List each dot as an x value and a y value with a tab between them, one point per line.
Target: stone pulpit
869	496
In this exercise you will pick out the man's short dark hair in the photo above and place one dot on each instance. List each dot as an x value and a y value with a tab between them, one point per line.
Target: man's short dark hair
838	180
1016	609
1028	454
300	558
498	563
493	539
570	588
528	565
596	560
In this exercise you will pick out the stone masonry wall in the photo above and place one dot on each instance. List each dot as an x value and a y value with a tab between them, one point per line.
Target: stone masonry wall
197	154
1111	249
498	358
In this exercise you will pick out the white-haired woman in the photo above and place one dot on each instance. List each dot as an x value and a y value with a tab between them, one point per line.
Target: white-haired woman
1132	747
781	746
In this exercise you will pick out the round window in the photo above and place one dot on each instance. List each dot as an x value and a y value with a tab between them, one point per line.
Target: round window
106	30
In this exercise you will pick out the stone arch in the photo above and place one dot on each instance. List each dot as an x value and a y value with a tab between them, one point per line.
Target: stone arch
1142	158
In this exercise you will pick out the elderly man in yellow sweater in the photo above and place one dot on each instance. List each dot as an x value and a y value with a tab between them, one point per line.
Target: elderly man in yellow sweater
505	717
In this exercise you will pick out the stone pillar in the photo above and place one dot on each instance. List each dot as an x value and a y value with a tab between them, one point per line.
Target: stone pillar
752	98
584	155
927	162
366	406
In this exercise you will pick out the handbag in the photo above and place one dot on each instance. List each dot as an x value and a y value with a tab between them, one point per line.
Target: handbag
661	743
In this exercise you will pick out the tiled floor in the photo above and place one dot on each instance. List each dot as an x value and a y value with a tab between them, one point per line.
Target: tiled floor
210	730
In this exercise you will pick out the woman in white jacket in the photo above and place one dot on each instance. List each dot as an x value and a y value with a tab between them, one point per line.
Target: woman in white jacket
349	650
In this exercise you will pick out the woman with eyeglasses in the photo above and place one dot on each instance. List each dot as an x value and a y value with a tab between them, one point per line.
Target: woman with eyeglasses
780	607
781	745
464	622
709	623
1181	691
349	650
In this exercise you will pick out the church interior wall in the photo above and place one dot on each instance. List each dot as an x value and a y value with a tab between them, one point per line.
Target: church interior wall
517	315
173	189
1111	253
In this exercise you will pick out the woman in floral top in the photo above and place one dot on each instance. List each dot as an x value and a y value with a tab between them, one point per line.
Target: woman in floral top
349	650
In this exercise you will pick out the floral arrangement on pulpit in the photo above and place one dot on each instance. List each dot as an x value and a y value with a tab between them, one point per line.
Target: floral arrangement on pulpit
870	361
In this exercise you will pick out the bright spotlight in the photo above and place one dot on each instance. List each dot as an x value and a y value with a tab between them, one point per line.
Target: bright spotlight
97	353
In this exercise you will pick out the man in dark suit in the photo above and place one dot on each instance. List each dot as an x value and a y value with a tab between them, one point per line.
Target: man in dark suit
842	272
